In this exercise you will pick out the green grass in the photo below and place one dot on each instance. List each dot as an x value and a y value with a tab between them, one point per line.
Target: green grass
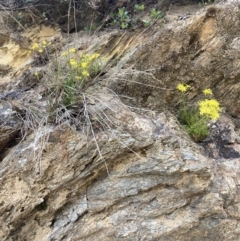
194	123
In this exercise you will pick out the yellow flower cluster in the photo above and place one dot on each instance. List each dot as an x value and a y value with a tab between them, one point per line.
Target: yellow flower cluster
67	53
85	73
72	50
73	63
182	87
210	108
35	46
39	47
80	65
92	57
207	92
84	64
195	119
64	54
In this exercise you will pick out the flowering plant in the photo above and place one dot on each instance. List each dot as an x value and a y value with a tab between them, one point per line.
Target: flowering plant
195	120
74	73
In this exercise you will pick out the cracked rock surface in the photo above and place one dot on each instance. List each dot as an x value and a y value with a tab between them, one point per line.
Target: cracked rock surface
150	183
141	178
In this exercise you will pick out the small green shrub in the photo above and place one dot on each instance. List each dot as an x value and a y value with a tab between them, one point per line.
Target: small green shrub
146	23
156	14
139	7
120	19
123	18
195	119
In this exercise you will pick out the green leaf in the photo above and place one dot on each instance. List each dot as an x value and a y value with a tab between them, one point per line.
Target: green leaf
139	7
124	25
121	12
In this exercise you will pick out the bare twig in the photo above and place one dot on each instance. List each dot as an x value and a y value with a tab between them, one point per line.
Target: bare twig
69	14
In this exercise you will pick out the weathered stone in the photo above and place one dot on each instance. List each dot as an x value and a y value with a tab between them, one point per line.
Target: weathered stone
62	178
10	126
202	52
139	176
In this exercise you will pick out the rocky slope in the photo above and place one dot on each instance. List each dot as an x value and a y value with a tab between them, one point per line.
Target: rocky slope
141	177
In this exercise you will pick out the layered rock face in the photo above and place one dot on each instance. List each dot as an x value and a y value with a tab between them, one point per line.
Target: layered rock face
149	182
202	50
141	177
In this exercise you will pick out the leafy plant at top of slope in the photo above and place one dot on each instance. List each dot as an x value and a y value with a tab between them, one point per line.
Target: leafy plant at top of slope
156	14
202	3
123	18
139	7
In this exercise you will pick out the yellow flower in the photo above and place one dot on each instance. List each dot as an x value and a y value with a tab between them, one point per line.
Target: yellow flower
44	43
64	54
78	77
210	108
94	56
85	73
40	50
36	74
183	88
84	64
207	92
72	50
73	63
35	46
